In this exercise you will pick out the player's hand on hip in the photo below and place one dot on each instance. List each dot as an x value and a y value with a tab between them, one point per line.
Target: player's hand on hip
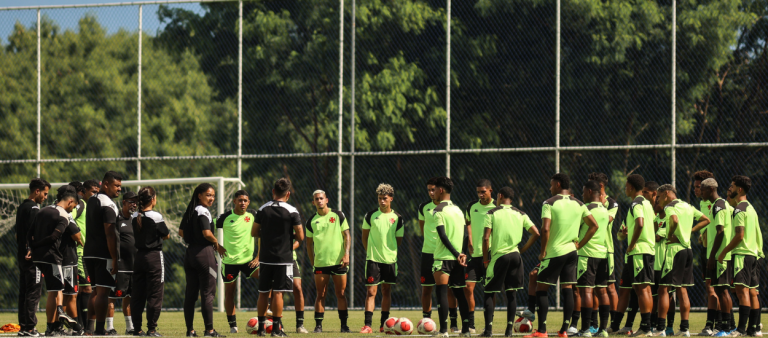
114	267
254	263
222	252
542	255
345	261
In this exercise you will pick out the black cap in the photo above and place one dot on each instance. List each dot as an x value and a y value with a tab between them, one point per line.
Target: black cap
129	195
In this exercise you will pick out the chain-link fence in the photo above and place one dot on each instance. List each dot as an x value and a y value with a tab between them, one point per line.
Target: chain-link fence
341	95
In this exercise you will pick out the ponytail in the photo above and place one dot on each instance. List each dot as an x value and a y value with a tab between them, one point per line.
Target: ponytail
186	220
146	194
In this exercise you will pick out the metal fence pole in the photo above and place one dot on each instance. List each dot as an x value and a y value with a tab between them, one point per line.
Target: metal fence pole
240	95
138	104
351	217
557	110
448	90
341	96
38	92
674	92
220	235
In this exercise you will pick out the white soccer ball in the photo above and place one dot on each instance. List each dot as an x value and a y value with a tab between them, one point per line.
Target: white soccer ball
252	326
404	326
389	325
523	325
426	326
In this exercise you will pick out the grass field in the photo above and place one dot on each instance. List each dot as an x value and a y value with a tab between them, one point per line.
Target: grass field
172	323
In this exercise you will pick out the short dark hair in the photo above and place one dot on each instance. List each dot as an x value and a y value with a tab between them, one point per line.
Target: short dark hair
592	185
702	175
444	182
563	179
432	181
88	184
111	176
38	184
66	192
78	186
282	186
599	177
507	192
667	187
484	183
742	181
636	181
241	193
651	185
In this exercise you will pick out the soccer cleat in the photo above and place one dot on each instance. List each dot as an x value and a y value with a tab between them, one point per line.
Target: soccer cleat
670	331
593	329
279	333
537	334
268	314
509	331
153	333
707	331
660	333
213	334
318	329
345	329
472	330
684	333
76	333
261	333
301	329
192	333
381	329
527	314
111	332
366	329
759	333
455	329
642	333
233	329
465	334
601	333
583	333
487	333
442	335
737	334
67	321
572	331
32	333
139	333
722	334
625	330
562	334
54	333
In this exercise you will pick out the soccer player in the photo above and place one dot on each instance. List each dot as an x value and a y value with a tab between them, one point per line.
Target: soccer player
382	234
593	264
200	265
660	226
100	254
638	270
449	261
236	225
476	214
29	285
45	250
278	225
561	216
427	225
745	247
68	248
719	275
705	206
328	245
677	270
613	208
85	295
127	250
148	274
502	233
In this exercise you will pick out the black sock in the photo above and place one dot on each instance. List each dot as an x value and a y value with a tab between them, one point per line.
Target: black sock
277	324
567	295
532	303
754	320
299	318
711	315
594	322
489	305
543	302
261	327
725	324
452	314
732	322
442	307
684	325
232	320
575	318
100	327
384	317
671	314
511	306
604	311
743	318
463	308
661	324
319	318
368	318
654	319
586	322
634	305
645	321
617	318
343	315
471	315
91	325
427	314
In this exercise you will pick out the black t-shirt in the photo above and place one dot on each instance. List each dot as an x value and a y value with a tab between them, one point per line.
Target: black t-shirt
277	220
45	234
201	220
127	244
25	214
101	209
68	245
153	230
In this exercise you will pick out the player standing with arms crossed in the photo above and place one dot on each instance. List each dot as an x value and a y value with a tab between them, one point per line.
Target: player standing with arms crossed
476	215
705	206
29	284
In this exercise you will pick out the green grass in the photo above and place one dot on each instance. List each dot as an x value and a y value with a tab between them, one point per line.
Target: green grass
172	323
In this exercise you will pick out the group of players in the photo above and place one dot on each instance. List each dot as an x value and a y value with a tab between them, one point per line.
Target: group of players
122	257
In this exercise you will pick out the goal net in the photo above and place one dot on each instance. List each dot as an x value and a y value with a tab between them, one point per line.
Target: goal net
173	195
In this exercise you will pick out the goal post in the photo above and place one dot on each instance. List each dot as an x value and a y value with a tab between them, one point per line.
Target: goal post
173	195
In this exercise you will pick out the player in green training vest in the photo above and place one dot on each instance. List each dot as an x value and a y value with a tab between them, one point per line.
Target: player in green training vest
476	215
241	255
613	208
677	270
328	245
745	249
382	234
502	233
84	292
449	260
427	226
705	207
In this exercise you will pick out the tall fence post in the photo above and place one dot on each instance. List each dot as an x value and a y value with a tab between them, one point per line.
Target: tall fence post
38	92
239	117
351	217
220	234
674	93
138	103
557	108
341	97
448	89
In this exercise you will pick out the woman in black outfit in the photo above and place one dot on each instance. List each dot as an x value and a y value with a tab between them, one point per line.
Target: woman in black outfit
148	272
200	263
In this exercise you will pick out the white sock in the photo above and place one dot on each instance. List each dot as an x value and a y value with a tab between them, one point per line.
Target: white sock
110	323
128	323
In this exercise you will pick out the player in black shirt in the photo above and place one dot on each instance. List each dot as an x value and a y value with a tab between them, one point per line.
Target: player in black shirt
127	250
47	252
29	285
149	230
279	225
100	254
200	263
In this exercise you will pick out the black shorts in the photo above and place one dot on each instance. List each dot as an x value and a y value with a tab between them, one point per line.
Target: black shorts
377	273
745	271
457	278
53	275
475	270
230	272
278	278
563	267
504	273
122	285
69	273
99	271
656	281
611	268
296	270
82	276
637	270
592	272
427	276
335	270
721	275
677	270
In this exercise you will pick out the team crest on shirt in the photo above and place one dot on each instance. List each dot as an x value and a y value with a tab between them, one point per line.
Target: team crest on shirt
475	210
370	279
247	219
332	220
391	221
709	207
